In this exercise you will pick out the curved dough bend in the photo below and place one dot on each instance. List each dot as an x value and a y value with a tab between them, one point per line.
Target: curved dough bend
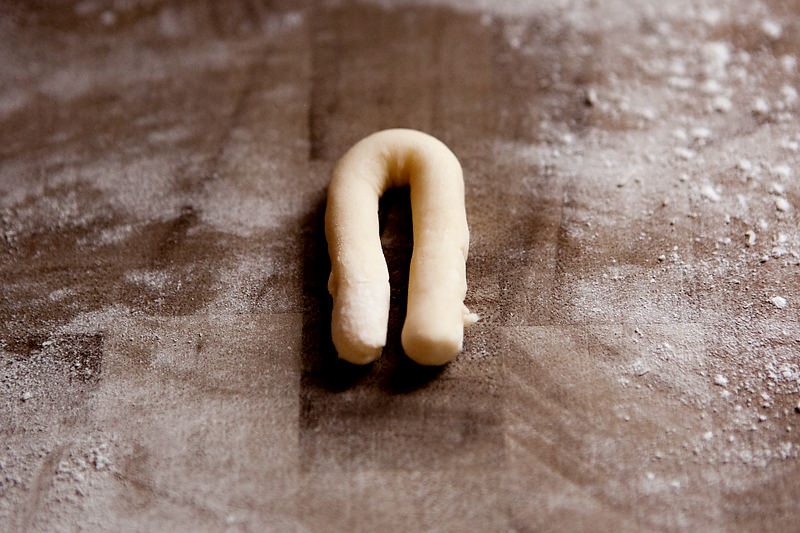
359	283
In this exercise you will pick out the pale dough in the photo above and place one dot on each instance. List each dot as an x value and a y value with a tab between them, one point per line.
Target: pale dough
359	282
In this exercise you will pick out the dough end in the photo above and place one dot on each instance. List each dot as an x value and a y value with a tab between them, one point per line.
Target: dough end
358	354
431	348
358	323
359	348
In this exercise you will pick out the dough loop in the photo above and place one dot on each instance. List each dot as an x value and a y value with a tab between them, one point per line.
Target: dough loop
359	283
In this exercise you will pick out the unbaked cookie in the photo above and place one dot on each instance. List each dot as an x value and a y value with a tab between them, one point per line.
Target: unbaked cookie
359	282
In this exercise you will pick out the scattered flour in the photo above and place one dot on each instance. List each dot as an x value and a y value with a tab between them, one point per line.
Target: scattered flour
772	29
777	188
782	171
779	302
789	94
789	63
782	204
761	106
710	193
701	133
721	104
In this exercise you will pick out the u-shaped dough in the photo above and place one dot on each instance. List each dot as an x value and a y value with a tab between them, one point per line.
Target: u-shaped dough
359	283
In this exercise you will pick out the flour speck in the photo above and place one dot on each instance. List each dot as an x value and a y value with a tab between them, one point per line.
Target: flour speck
779	302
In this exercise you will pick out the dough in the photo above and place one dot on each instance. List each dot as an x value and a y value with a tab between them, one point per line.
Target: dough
359	282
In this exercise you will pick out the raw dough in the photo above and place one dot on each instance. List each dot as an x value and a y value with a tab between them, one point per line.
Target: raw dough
359	282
